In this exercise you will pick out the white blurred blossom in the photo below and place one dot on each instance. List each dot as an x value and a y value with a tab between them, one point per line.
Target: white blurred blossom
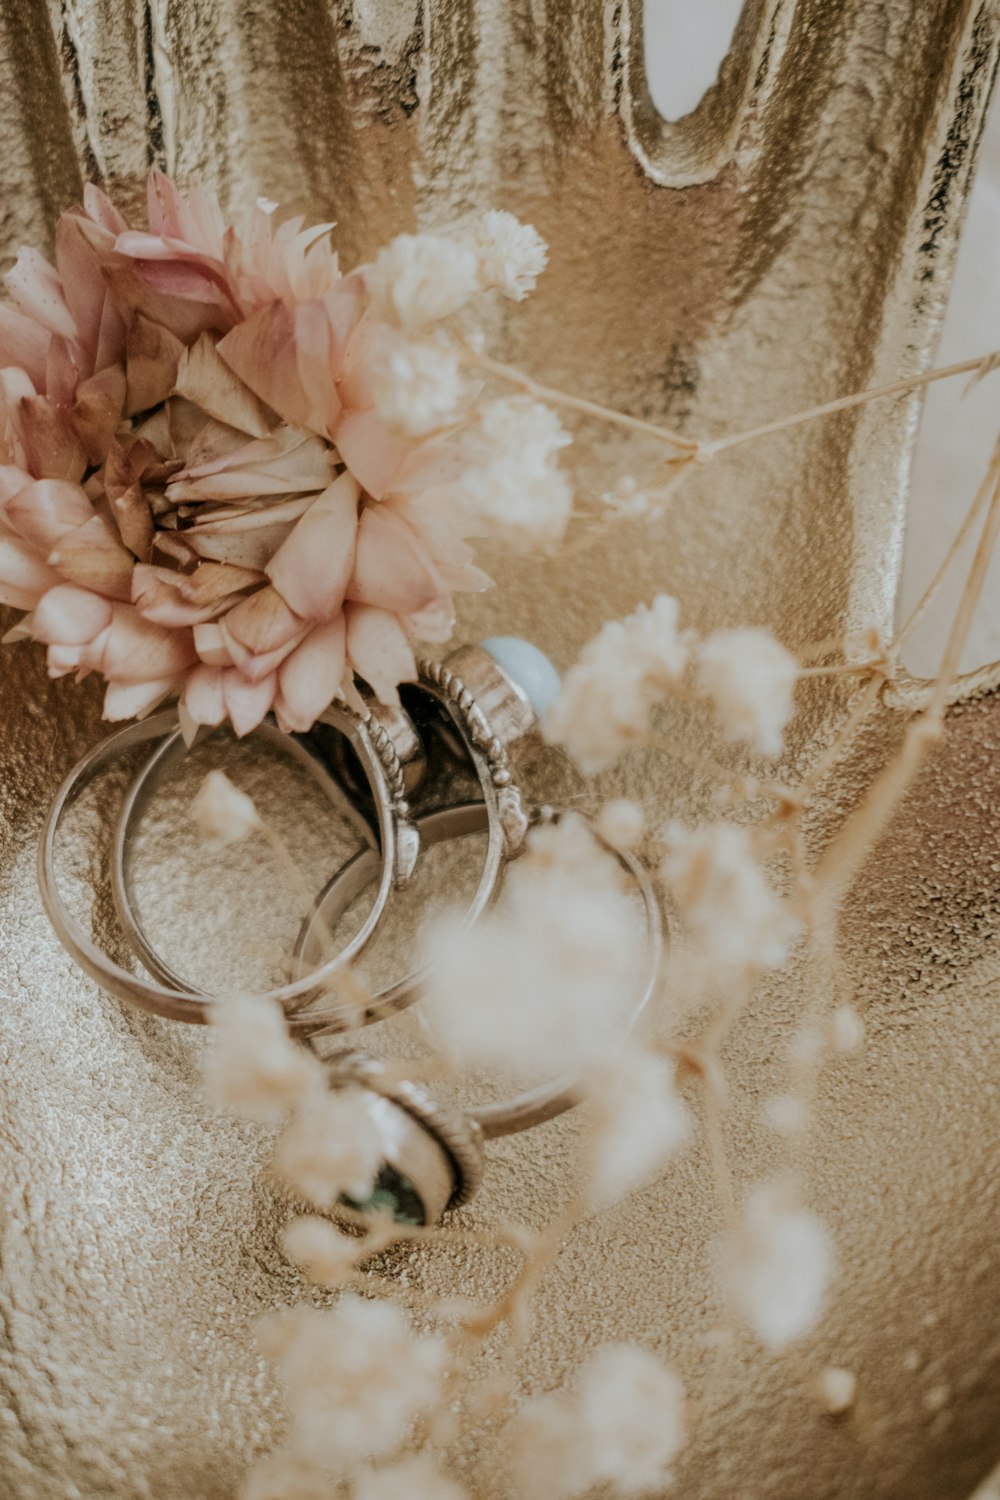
749	677
511	487
355	1377
778	1264
641	1122
548	978
222	812
511	255
417	387
418	279
330	1148
847	1030
622	822
736	920
836	1389
324	1252
253	1068
415	1478
623	1426
608	694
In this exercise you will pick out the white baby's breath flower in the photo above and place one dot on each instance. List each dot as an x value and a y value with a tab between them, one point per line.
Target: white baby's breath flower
736	920
285	1476
622	822
607	696
785	1114
417	387
418	279
836	1389
415	1478
847	1030
641	1122
778	1265
624	1426
750	679
547	980
325	1254
331	1148
355	1377
511	486
511	255
222	812
253	1067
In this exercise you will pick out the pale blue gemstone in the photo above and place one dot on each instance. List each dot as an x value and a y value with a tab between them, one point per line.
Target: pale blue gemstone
528	667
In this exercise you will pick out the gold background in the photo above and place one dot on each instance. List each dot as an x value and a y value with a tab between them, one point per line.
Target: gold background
789	241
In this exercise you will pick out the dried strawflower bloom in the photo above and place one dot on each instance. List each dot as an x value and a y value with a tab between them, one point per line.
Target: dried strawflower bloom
624	1426
355	1377
253	1068
750	679
325	1253
836	1390
222	477
510	255
415	1478
847	1029
641	1122
622	821
607	696
546	980
736	920
778	1265
331	1148
222	812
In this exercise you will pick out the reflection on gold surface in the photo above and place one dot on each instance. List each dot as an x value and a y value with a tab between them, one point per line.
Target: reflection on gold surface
789	241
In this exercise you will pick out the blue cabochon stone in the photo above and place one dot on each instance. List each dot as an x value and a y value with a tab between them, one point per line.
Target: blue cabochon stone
530	668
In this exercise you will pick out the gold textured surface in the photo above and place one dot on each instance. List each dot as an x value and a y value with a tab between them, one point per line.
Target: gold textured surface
790	240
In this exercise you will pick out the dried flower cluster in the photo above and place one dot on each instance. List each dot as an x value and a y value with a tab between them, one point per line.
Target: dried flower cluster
230	473
632	665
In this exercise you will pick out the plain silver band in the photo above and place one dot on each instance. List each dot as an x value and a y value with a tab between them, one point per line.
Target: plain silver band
538	1105
183	1003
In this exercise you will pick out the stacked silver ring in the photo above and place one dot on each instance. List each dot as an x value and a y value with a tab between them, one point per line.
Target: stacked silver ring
433	1154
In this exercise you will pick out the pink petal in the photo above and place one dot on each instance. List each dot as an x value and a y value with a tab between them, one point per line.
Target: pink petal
378	650
203	697
69	616
136	651
23	342
262	352
92	556
436	623
51	447
311	676
156	595
247	702
371	452
152	354
63	370
344	308
210	644
204	378
312	567
45	510
36	289
24	576
97	411
84	287
314	367
61	660
12	481
391	569
134	700
98	207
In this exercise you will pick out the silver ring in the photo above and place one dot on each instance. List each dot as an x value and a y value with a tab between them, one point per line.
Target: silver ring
534	1106
181	1002
393	757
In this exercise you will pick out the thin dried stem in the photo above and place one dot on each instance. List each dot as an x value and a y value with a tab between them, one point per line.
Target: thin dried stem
708	450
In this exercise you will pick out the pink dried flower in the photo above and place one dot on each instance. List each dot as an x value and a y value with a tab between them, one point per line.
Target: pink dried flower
215	482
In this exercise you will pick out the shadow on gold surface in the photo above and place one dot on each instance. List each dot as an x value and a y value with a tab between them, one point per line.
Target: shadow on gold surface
789	241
